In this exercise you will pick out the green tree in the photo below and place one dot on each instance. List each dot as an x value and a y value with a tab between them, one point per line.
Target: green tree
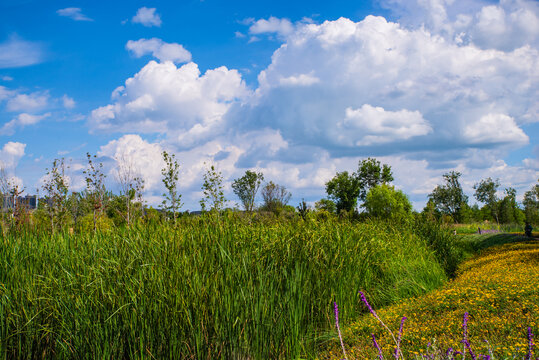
326	205
384	201
449	198
95	188
56	188
275	197
531	205
344	191
212	188
485	192
170	174
371	173
246	188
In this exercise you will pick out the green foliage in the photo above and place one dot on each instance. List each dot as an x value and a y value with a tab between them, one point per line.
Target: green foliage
303	209
371	173
326	205
171	173
56	188
531	205
275	198
485	192
449	198
344	190
95	188
383	201
205	289
247	187
212	188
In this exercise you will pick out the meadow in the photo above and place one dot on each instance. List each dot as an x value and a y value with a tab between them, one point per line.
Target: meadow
498	290
210	287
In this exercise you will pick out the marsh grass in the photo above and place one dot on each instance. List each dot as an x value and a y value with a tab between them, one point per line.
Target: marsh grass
207	288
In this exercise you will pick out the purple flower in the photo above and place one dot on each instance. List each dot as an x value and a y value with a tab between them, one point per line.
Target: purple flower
380	356
530	344
336	311
399	337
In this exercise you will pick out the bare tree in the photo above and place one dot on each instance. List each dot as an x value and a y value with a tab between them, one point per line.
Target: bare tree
131	186
275	196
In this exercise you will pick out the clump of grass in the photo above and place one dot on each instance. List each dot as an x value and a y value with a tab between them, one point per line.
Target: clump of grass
207	288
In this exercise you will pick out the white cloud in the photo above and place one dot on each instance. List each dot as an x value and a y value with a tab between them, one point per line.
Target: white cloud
73	13
68	102
495	128
159	49
144	157
21	120
299	80
5	93
373	125
28	102
15	52
165	98
273	25
10	154
147	17
7	78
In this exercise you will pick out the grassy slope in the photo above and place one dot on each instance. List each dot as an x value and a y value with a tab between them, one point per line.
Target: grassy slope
499	289
207	289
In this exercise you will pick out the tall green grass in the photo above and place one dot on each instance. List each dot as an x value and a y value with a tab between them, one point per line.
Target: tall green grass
209	288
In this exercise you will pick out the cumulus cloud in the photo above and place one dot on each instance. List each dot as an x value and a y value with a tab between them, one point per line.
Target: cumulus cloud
427	99
28	102
272	25
144	158
159	49
73	13
378	126
21	120
181	102
10	154
147	17
495	128
16	52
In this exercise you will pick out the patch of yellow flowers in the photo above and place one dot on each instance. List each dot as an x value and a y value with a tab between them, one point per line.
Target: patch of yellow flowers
499	290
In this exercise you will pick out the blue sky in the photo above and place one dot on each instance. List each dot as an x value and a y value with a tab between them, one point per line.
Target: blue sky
298	90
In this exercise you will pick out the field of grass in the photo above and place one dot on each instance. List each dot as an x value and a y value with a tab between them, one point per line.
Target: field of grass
499	290
208	288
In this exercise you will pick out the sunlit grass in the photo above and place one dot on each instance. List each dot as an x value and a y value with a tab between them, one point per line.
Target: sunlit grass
499	289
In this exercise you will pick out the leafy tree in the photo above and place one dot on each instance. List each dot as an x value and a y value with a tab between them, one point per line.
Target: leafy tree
170	174
212	188
56	188
509	210
430	211
485	192
275	197
95	188
344	190
371	173
383	201
246	188
326	205
449	198
531	205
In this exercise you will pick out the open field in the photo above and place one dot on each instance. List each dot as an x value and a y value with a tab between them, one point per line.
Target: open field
209	288
498	289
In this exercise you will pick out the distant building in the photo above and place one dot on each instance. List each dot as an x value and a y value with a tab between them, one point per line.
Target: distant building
8	202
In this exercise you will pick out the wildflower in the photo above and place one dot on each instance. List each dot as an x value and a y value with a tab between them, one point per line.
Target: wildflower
336	310
380	356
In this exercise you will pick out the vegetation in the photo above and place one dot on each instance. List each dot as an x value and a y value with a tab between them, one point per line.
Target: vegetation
212	189
173	200
209	288
247	187
450	198
498	289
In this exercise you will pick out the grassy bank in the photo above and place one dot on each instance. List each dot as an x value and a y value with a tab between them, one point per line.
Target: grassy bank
498	289
206	289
